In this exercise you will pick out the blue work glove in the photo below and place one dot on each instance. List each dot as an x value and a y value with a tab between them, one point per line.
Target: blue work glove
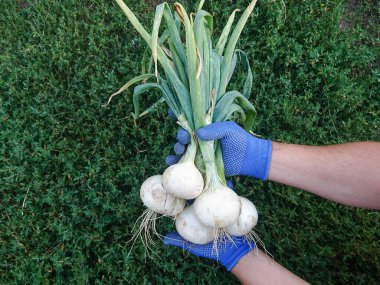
243	154
229	252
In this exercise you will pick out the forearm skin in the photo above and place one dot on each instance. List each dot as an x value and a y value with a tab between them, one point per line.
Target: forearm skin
347	173
256	268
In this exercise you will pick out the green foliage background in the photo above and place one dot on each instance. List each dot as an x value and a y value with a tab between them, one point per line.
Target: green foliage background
70	170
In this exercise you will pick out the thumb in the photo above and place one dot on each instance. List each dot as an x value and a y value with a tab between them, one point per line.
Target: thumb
215	131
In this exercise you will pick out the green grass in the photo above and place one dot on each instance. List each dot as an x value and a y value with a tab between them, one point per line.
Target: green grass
70	170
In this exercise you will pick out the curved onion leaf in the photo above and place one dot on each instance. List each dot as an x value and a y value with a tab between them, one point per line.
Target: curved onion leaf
226	31
152	108
140	89
203	19
227	106
235	108
248	81
231	47
156	28
129	84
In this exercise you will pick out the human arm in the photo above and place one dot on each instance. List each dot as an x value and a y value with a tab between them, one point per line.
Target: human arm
346	173
249	264
256	268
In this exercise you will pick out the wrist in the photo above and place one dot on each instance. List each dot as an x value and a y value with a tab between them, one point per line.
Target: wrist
236	256
267	158
232	252
241	265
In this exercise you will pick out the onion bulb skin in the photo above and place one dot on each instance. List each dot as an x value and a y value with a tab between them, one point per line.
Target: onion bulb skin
183	180
247	219
191	229
155	198
219	207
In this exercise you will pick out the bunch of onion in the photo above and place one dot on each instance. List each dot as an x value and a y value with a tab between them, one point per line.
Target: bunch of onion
193	80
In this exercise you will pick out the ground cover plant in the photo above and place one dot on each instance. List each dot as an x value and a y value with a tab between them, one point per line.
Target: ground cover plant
70	170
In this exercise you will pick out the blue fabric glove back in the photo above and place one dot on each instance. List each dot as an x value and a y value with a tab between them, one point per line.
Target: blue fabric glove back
242	153
229	253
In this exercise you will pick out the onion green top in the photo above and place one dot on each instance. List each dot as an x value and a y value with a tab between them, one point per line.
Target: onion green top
195	71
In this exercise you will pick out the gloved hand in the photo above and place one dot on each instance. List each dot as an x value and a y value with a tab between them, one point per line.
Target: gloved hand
242	153
228	254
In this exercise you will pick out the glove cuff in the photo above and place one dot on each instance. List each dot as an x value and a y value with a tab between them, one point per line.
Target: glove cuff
236	255
267	158
257	158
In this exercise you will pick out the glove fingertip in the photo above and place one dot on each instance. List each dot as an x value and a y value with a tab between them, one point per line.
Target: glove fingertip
216	130
183	136
209	133
202	134
179	148
172	159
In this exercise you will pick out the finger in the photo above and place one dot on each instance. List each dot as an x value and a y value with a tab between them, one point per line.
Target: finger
183	136
230	184
172	159
215	131
171	114
179	148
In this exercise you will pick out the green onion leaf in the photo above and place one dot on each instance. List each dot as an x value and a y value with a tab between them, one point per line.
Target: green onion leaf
156	28
231	47
226	31
226	104
129	84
